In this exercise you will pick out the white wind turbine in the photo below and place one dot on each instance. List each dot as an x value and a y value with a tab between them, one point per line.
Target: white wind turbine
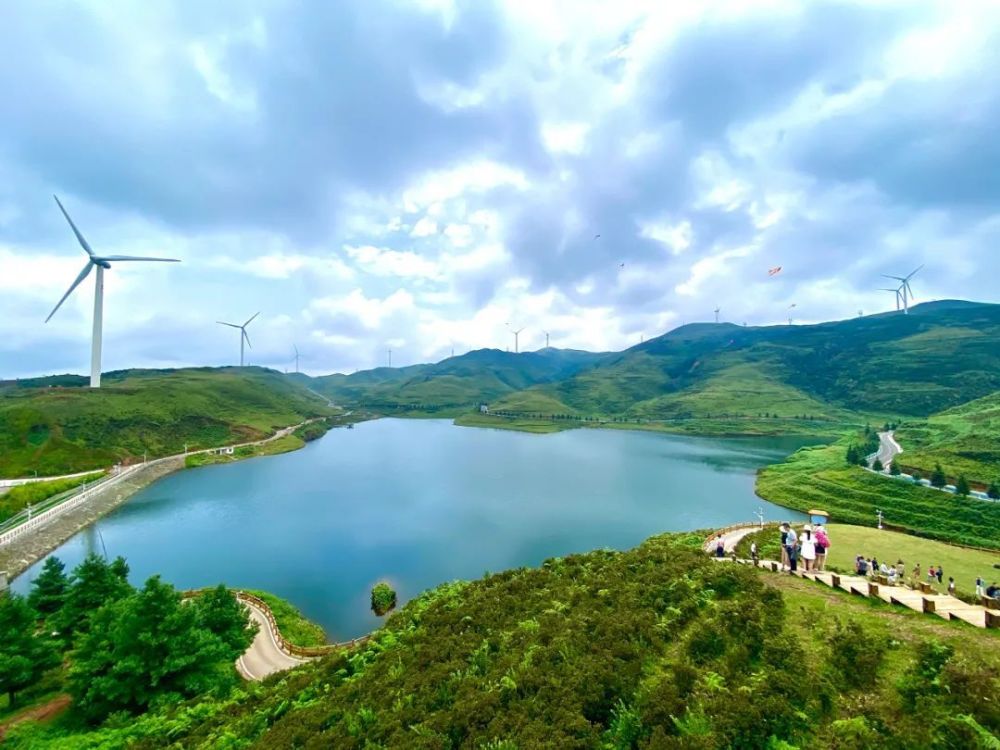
899	297
904	286
244	338
717	310
516	334
546	339
100	263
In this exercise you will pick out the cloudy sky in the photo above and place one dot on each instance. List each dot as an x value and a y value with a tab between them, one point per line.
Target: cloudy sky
421	175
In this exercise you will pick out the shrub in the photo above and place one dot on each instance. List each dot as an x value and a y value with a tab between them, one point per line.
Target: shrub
877	465
962	486
383	598
938	479
855	655
894	469
993	491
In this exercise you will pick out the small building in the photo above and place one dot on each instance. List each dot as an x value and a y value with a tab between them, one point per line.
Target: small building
818	517
484	408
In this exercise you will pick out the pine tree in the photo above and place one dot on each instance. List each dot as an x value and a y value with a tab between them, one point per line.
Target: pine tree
877	465
25	654
145	648
993	491
48	591
962	485
221	613
894	469
938	479
93	583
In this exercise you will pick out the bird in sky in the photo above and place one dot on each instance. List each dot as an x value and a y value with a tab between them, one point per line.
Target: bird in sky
621	266
597	236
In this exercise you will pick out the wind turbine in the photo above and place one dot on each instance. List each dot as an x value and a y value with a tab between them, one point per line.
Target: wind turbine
717	314
516	334
297	357
100	263
896	291
243	333
904	287
546	339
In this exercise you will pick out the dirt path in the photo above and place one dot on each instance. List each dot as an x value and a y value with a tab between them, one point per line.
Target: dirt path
44	712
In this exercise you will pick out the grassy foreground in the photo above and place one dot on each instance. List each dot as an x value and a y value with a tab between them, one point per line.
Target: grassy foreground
654	648
819	477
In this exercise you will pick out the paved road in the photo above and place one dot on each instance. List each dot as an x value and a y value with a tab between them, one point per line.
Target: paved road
730	538
888	448
264	657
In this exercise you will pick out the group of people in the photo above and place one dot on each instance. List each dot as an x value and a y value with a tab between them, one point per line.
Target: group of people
807	549
992	591
896	573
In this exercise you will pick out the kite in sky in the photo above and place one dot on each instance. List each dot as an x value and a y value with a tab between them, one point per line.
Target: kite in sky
794	304
774	271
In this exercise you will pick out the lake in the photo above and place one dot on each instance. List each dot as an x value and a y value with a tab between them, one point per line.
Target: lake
419	502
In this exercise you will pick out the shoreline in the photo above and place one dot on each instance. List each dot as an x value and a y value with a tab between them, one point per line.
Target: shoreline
19	555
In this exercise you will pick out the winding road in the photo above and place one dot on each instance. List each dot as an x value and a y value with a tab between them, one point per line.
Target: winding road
888	448
265	656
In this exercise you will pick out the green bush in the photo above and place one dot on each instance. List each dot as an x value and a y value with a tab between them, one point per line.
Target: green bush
383	599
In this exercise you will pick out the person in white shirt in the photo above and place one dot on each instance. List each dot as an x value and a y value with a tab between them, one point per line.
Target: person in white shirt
807	548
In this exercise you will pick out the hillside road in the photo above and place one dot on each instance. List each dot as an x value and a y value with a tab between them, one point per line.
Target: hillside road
888	448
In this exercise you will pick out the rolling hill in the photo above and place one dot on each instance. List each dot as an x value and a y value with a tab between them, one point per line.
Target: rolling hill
60	426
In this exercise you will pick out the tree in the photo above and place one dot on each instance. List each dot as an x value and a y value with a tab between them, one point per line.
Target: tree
48	591
147	647
93	583
877	465
962	485
894	469
993	491
25	654
852	455
916	475
222	614
938	479
383	598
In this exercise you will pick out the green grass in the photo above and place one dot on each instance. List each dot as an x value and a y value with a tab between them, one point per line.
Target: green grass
653	647
18	498
818	477
57	430
538	426
964	440
294	626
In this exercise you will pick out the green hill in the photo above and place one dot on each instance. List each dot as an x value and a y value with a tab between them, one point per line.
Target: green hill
656	648
63	428
481	375
965	440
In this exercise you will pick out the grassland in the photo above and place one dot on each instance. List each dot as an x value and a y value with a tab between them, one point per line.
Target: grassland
18	498
820	477
294	626
520	424
965	440
57	430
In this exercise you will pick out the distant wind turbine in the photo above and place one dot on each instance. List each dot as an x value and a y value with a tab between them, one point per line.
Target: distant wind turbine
546	339
297	357
904	286
899	297
516	334
244	337
717	314
100	263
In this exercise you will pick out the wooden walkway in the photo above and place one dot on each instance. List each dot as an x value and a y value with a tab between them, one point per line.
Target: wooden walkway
943	605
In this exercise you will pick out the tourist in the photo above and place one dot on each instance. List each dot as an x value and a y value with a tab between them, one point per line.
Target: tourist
822	545
807	547
993	591
940	574
892	575
884	569
916	576
753	552
873	567
979	586
790	544
720	546
951	586
784	550
860	565
931	574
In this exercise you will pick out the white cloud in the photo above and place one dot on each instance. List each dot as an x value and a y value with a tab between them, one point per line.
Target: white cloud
381	261
565	137
424	228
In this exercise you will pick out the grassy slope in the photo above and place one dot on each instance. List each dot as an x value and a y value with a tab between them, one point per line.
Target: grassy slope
656	647
294	626
965	440
819	477
848	541
62	430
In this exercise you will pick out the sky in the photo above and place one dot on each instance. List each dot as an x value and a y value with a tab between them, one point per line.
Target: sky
425	176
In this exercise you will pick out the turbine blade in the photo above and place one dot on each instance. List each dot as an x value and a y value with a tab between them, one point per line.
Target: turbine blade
231	325
80	238
117	258
246	336
251	319
897	278
79	280
914	271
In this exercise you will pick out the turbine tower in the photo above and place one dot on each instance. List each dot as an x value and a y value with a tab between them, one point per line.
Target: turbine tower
904	287
100	263
546	339
244	338
898	295
297	357
516	334
717	315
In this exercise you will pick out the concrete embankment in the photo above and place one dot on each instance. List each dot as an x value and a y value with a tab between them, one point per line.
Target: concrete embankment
18	555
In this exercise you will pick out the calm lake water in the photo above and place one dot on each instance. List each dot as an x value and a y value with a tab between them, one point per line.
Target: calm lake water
418	502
